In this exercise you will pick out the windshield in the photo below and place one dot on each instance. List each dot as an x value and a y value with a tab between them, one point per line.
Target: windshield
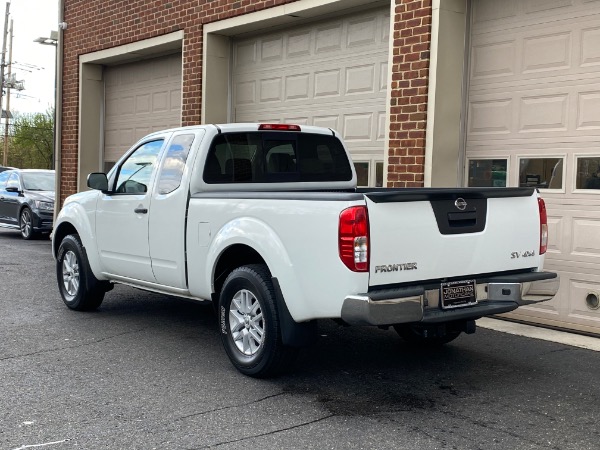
38	181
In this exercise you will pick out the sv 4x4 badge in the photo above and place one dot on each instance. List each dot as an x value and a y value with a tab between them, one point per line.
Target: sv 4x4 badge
525	254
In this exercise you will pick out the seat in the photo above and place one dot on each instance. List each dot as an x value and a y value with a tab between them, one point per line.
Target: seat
281	162
239	169
311	166
213	172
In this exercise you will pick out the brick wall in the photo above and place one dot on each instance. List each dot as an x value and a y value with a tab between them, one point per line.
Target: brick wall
408	108
101	24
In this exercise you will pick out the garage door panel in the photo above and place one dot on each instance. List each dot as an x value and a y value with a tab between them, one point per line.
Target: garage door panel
579	309
564	50
140	97
549	52
332	74
360	82
590	46
586	237
297	87
562	109
272	49
495	59
534	96
543	113
555	235
328	38
588	111
329	121
328	83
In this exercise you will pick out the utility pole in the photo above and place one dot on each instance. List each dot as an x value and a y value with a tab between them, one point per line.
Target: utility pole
2	65
8	85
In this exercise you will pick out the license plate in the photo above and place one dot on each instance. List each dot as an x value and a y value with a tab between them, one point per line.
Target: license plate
457	294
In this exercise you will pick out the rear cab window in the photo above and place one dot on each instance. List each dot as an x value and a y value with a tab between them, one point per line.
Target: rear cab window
276	157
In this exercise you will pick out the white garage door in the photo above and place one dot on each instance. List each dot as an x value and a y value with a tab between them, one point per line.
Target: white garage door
534	120
140	97
331	74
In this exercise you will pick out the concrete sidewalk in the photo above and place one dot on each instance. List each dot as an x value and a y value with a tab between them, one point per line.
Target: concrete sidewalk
545	334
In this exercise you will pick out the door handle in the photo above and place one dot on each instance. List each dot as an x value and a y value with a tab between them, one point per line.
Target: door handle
141	210
1	198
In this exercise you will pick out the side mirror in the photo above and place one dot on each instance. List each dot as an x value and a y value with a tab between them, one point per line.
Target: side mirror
97	181
12	189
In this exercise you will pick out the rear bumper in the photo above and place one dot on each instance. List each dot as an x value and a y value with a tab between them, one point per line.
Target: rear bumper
495	295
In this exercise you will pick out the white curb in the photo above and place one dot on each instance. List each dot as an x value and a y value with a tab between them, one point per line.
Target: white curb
561	337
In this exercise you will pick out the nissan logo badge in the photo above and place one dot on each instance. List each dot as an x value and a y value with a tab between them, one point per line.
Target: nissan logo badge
460	203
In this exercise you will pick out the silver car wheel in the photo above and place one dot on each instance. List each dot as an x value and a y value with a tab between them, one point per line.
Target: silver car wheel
246	322
26	224
70	271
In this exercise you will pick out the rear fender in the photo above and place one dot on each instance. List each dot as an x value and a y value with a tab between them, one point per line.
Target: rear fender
257	235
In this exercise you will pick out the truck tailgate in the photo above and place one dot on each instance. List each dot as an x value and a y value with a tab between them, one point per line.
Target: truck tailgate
432	234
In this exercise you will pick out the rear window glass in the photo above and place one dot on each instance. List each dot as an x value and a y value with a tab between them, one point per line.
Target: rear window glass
276	157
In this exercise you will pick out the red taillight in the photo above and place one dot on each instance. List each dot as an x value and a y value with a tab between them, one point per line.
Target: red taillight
543	227
278	127
353	238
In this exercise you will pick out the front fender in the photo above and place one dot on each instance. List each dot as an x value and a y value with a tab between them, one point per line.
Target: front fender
79	215
259	236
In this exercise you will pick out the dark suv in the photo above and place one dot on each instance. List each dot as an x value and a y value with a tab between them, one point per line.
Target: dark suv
27	201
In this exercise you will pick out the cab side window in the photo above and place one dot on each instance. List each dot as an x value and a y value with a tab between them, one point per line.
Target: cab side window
171	171
3	179
136	172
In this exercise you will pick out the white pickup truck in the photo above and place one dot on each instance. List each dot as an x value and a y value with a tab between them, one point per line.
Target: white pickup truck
265	221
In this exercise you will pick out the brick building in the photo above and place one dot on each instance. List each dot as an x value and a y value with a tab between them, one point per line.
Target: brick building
425	93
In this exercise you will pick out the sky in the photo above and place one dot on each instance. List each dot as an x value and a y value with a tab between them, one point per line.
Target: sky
33	63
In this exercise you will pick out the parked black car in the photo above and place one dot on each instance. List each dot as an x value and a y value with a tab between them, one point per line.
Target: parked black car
27	201
3	168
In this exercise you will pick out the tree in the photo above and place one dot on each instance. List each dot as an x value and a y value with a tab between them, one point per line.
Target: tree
32	142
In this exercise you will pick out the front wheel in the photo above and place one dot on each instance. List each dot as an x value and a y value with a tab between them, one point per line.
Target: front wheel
79	288
26	224
249	323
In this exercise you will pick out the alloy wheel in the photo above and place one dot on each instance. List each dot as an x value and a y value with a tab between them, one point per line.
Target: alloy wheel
70	271
26	225
246	322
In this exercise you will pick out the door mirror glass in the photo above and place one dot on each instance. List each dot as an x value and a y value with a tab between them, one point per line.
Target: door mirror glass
97	181
12	189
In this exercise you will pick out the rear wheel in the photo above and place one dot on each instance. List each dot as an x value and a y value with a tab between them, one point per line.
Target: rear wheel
249	323
79	288
26	224
426	336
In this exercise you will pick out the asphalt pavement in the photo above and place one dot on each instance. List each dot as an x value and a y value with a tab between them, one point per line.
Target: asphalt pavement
148	371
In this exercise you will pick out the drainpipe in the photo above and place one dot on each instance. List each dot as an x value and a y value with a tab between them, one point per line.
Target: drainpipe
58	107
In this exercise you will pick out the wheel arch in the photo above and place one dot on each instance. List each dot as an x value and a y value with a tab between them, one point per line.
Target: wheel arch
74	220
59	233
232	257
293	333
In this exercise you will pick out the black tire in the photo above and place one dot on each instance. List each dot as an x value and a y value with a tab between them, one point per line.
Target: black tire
425	336
79	288
249	323
26	224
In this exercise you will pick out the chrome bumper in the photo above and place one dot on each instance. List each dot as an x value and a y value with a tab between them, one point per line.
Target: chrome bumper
417	304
